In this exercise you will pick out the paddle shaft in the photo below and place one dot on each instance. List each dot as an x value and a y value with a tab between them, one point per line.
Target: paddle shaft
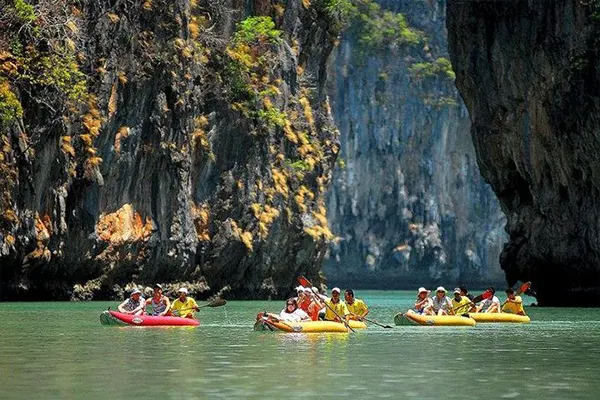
372	321
214	303
301	279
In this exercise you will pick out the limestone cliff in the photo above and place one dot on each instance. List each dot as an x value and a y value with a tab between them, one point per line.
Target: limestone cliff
163	140
407	201
529	73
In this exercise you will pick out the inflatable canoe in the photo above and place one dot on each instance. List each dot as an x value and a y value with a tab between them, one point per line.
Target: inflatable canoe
117	318
432	320
270	324
499	317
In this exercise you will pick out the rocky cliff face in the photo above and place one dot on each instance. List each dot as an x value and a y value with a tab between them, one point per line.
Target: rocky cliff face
407	202
529	74
163	140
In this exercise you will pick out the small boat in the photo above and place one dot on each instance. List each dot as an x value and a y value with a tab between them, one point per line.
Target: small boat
499	317
274	324
116	318
432	320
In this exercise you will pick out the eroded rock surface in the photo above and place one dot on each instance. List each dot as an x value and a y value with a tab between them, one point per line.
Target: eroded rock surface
528	71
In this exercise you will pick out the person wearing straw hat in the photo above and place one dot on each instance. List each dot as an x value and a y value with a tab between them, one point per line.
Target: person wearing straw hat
423	303
134	305
441	304
184	306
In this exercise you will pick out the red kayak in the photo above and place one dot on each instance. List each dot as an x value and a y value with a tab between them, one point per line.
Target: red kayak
117	318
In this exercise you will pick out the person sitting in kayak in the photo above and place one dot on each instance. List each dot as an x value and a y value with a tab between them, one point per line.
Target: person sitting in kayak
357	308
423	303
160	304
491	304
134	305
460	304
464	292
292	313
513	303
440	303
184	306
335	304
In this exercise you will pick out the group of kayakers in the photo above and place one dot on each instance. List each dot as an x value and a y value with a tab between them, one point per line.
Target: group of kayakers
309	304
160	305
464	302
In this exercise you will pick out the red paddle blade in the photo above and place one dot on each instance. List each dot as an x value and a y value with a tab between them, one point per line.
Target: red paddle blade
304	282
486	295
524	287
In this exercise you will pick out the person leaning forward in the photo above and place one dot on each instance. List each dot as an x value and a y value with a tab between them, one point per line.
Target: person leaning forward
134	305
335	304
184	306
357	308
160	304
513	303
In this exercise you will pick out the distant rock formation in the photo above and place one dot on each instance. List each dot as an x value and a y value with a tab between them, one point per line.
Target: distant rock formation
407	201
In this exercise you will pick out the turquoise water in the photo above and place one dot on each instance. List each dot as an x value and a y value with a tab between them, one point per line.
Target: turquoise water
60	350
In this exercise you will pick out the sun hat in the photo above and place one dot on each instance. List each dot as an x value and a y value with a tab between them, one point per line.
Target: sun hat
315	290
307	290
182	290
135	291
440	289
158	286
299	288
457	290
336	289
422	289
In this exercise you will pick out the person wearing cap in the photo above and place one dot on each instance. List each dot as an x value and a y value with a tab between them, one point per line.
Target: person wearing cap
513	303
184	306
299	293
335	304
460	304
440	303
490	305
160	304
423	303
134	304
357	308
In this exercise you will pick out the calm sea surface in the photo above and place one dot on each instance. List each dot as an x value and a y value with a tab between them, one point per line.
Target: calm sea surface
60	350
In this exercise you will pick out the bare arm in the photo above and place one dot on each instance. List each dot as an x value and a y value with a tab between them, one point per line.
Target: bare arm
123	310
167	308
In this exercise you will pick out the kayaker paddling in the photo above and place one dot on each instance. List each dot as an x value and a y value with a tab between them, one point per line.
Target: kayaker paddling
491	304
460	304
335	306
184	306
134	305
357	308
160	304
513	303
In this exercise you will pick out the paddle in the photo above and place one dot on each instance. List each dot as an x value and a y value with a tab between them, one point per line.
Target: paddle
306	283
214	303
372	321
522	289
483	296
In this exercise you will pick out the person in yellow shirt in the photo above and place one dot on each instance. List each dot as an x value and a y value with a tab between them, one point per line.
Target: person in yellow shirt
513	303
335	304
184	306
357	308
460	304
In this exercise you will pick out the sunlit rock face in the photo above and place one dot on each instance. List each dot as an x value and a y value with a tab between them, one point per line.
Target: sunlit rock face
407	202
163	141
528	72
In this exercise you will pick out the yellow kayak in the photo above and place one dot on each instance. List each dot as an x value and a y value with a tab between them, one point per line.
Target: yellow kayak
499	317
264	324
433	320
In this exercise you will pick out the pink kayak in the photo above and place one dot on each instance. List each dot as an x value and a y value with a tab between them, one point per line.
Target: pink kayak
116	318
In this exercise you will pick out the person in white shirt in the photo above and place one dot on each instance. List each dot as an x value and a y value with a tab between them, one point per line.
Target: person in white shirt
292	313
440	303
490	305
423	302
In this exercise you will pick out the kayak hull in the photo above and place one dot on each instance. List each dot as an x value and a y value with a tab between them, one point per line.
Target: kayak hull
432	320
499	317
117	318
306	326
